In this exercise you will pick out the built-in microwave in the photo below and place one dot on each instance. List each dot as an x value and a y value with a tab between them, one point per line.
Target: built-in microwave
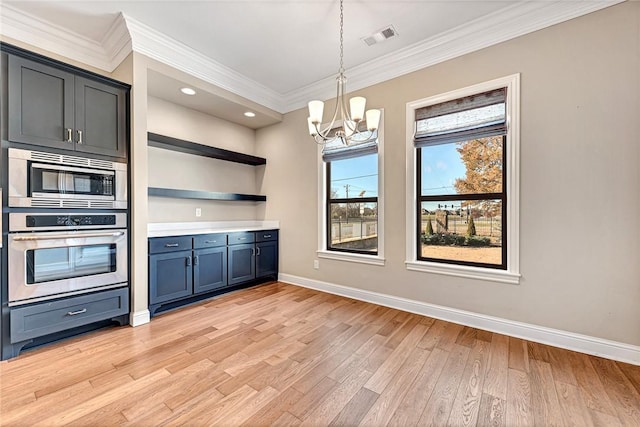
49	180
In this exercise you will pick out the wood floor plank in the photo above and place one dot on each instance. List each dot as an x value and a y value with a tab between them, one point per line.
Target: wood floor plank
438	408
467	402
519	409
418	393
518	354
492	411
495	383
574	410
544	398
278	354
355	410
394	392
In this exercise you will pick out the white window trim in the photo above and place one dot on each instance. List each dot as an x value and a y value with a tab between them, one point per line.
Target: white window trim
512	274
322	251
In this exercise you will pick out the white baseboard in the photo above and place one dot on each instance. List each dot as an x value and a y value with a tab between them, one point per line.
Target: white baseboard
140	318
568	340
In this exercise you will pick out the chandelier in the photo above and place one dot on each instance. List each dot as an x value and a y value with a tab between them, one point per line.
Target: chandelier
350	128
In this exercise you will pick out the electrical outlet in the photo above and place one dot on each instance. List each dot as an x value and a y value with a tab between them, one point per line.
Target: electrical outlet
316	264
198	212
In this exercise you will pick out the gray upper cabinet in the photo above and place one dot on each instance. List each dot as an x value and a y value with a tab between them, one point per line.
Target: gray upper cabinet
56	108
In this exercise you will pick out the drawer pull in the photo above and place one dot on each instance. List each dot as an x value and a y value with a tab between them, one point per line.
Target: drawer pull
210	241
74	313
242	238
266	236
172	245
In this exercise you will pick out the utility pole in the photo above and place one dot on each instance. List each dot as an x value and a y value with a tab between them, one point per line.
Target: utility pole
347	189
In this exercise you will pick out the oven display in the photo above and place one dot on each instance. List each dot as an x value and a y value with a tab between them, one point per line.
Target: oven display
44	265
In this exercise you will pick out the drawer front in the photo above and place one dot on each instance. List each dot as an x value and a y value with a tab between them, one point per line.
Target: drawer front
266	235
48	317
160	245
209	240
241	237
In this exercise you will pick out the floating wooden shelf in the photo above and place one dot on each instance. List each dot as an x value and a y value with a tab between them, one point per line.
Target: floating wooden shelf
175	144
205	195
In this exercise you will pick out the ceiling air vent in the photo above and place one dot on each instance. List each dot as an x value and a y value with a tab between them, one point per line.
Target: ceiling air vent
381	35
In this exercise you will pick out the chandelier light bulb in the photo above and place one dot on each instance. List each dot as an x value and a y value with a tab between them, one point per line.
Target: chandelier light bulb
316	109
357	104
373	120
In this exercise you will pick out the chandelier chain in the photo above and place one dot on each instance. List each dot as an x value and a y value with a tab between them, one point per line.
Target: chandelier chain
341	70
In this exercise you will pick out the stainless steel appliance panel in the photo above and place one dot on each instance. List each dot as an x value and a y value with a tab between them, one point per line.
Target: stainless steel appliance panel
68	181
47	265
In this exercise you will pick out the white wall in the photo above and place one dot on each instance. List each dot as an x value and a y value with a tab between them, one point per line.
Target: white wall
580	181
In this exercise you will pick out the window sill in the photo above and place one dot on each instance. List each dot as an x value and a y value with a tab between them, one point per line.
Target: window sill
359	258
500	276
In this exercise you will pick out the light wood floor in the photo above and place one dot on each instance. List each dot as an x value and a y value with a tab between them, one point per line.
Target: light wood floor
282	355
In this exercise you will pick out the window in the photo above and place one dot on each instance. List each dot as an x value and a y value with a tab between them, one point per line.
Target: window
352	204
351	197
464	155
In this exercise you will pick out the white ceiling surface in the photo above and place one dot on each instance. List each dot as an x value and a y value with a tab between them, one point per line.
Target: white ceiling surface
282	53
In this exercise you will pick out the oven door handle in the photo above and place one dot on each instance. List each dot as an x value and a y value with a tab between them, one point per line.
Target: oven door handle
66	236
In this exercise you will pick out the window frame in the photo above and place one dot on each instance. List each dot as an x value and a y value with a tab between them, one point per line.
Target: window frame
509	272
324	188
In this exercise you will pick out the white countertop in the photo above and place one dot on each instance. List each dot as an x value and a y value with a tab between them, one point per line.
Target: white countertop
164	229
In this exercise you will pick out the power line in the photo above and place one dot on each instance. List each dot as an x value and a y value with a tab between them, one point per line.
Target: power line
354	177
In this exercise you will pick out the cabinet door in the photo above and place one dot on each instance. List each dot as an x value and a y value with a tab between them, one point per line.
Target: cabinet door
170	276
100	118
267	259
242	265
209	269
40	104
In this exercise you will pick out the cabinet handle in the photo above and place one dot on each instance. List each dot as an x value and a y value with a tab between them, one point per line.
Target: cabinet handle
79	137
73	313
258	252
172	245
195	260
188	261
266	236
69	135
210	241
242	238
253	252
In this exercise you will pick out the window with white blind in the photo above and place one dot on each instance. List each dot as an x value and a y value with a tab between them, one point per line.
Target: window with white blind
351	196
463	150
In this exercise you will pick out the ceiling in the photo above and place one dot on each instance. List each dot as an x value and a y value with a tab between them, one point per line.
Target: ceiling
281	53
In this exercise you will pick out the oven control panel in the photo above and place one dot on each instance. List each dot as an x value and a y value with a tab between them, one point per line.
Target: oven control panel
69	220
57	221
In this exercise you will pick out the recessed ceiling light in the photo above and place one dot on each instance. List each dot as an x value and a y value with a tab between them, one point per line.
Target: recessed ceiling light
188	91
250	114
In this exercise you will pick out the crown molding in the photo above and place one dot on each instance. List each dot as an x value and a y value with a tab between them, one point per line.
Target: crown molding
502	25
127	34
158	46
29	29
116	43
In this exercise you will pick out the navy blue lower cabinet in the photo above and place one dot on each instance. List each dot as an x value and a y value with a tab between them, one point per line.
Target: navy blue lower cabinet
170	276
267	259
185	269
242	265
209	269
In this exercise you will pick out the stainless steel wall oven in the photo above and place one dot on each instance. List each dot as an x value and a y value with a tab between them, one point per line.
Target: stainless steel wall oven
49	180
52	255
